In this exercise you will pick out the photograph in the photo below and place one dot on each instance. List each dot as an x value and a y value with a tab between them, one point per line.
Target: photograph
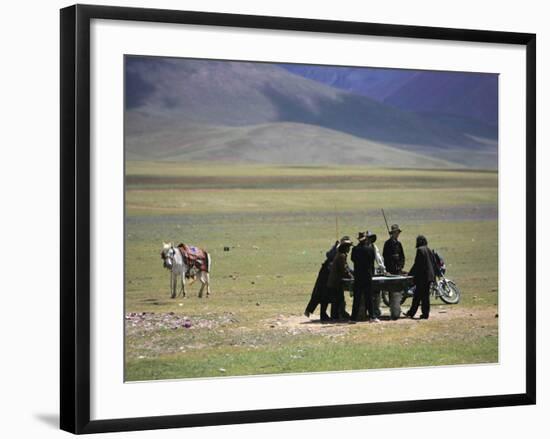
297	218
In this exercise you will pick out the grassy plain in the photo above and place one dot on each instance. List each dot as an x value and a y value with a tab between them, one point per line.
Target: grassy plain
278	222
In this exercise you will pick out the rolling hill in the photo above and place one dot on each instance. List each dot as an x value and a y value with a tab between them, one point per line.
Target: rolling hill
278	142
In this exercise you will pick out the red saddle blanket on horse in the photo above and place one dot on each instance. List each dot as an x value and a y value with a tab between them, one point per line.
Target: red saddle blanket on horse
194	257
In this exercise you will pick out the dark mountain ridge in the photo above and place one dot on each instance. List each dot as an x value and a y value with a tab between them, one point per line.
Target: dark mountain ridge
467	95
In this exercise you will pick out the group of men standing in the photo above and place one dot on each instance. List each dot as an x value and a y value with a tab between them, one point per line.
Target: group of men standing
335	272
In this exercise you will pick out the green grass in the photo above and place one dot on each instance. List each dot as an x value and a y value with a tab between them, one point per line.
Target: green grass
278	222
314	357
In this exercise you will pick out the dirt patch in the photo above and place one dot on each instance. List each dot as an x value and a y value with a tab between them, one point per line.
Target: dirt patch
299	324
150	321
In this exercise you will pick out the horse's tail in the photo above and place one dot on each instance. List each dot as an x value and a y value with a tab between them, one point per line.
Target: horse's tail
208	262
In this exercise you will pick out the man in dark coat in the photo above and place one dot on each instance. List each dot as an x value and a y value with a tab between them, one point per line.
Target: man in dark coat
393	254
423	271
321	284
394	258
363	256
338	271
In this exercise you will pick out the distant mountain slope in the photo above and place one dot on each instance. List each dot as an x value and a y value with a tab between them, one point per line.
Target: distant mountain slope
377	84
468	95
282	143
164	96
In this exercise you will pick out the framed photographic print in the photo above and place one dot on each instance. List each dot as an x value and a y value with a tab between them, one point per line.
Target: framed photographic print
275	218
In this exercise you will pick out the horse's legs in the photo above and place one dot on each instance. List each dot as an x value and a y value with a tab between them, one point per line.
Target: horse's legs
173	286
207	274
202	286
207	277
183	292
205	282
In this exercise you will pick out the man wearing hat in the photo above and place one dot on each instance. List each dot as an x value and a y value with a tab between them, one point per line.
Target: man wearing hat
319	290
338	271
394	257
363	257
423	271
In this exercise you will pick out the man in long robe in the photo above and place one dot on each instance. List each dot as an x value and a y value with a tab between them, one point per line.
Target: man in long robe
321	284
338	272
423	271
363	256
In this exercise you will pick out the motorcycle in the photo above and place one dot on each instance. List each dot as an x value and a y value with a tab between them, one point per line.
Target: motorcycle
443	288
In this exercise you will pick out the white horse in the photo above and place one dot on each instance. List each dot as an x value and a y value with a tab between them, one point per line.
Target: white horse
175	262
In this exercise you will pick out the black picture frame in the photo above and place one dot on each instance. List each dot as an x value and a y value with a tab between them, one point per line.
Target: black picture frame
75	217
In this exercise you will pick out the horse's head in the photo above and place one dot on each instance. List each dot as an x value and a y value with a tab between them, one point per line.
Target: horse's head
167	255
